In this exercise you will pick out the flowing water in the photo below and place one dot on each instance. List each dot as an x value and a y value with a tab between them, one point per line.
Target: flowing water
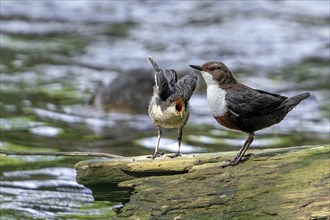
55	53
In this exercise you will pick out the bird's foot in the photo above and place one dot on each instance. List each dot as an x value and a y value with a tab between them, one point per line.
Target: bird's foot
236	160
247	156
177	154
230	163
157	154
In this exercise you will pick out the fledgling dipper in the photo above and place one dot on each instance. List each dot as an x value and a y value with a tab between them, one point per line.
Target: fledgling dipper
169	105
240	107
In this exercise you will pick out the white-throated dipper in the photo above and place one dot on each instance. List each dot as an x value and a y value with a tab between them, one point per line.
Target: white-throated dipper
169	104
240	107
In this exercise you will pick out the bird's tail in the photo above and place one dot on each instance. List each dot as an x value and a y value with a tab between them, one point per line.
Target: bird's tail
153	64
165	80
295	100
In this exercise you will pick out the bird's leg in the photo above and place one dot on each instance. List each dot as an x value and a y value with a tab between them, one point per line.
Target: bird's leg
240	156
241	153
243	150
180	132
157	154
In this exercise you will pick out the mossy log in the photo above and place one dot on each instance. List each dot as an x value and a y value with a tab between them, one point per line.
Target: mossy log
286	183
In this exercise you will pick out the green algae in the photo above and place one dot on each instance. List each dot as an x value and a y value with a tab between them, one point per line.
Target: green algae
302	72
119	29
22	57
95	210
32	162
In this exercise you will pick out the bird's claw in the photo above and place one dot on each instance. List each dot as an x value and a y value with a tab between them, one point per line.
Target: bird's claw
157	154
177	154
236	160
230	163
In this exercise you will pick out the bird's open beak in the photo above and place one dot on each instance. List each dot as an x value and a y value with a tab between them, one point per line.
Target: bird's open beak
179	107
196	67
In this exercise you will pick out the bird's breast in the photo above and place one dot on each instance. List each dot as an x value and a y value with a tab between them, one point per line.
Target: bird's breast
216	98
167	118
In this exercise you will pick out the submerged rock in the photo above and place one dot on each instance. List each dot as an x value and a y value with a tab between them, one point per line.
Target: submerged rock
289	183
129	92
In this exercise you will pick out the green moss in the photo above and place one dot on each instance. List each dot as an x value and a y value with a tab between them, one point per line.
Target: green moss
325	104
19	161
91	137
289	183
14	214
315	71
64	43
277	192
33	162
7	56
12	123
37	94
119	29
5	161
22	58
95	210
16	147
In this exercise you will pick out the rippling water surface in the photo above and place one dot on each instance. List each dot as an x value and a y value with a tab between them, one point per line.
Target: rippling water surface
54	54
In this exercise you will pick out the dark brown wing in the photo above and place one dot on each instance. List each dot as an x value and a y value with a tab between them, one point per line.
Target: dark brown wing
244	101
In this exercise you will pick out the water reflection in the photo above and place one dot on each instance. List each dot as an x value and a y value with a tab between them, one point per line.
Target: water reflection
54	54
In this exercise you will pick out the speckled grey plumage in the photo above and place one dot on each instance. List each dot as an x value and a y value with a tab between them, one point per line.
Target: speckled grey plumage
170	98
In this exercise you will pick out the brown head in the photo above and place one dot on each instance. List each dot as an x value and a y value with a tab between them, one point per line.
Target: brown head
216	72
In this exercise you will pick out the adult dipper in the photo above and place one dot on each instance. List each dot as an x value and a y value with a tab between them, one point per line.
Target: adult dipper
237	106
169	105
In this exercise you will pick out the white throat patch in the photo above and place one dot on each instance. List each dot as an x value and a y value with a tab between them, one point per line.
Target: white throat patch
215	95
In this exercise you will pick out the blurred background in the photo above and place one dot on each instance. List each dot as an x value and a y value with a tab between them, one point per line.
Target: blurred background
74	77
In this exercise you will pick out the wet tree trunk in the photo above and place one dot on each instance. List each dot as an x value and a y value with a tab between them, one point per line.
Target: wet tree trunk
290	183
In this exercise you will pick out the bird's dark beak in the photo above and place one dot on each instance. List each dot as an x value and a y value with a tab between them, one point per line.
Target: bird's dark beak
196	67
